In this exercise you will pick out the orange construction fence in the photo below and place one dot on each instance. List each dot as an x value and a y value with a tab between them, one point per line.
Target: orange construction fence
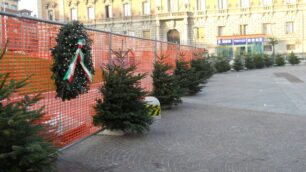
30	41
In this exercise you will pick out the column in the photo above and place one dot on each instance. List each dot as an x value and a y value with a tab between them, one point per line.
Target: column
184	39
61	8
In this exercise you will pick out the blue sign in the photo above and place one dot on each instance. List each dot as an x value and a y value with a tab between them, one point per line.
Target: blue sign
240	41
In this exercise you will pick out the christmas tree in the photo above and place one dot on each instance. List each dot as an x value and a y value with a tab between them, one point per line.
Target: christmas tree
165	87
279	60
293	59
182	72
73	67
269	61
22	148
203	67
122	107
238	64
222	64
194	81
249	62
258	61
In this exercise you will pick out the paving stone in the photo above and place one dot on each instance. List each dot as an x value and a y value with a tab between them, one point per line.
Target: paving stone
209	133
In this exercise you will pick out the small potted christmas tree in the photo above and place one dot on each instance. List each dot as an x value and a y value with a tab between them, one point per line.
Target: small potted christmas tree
182	73
122	109
293	59
238	64
165	87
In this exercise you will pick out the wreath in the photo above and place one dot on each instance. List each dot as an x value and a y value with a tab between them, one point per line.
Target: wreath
72	68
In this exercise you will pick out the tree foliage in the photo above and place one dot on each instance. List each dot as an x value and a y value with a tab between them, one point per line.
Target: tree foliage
122	106
165	85
22	147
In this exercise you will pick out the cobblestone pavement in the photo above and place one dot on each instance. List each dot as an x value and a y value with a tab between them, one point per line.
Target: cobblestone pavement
225	128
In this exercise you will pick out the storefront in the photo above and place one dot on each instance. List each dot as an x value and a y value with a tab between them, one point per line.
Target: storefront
231	46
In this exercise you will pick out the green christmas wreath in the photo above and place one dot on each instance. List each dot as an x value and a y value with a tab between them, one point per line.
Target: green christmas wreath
72	68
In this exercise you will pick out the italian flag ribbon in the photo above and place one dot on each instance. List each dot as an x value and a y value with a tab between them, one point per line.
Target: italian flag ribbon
78	58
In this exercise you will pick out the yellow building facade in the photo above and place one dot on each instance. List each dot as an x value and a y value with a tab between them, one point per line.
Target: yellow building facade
234	25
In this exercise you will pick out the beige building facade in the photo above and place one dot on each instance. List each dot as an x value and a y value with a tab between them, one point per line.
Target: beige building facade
10	6
236	25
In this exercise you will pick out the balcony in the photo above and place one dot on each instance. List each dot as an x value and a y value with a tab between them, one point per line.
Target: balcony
292	7
268	8
201	13
174	15
121	19
245	10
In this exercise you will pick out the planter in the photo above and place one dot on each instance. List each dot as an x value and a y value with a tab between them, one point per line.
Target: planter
107	132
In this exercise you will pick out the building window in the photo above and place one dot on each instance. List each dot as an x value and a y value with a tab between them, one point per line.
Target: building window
267	47
146	8
200	33
50	15
108	11
74	14
290	47
267	28
243	29
244	3
91	13
222	4
14	7
126	10
201	5
146	34
290	1
267	2
289	27
220	30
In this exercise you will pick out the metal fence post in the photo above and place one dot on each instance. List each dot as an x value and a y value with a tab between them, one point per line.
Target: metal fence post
176	51
155	50
110	48
192	50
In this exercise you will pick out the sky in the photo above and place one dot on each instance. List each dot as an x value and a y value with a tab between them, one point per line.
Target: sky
29	4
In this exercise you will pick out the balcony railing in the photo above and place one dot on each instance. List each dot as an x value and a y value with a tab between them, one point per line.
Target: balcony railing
174	15
268	8
223	11
200	13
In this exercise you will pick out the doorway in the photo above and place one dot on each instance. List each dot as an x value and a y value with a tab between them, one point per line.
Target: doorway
173	36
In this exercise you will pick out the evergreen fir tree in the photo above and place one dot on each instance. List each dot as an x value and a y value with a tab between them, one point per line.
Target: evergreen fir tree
269	61
279	60
203	67
258	61
122	107
182	73
222	64
249	62
194	81
238	64
293	59
165	87
22	148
